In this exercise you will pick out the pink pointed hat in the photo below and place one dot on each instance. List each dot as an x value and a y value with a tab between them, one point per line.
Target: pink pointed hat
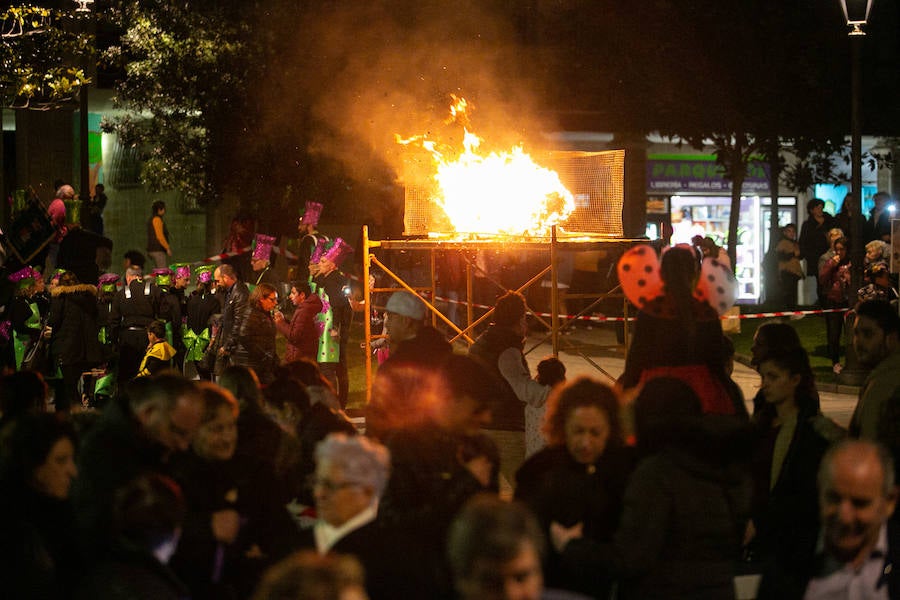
262	246
338	252
312	213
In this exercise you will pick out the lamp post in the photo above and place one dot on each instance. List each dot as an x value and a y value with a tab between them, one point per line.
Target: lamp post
856	13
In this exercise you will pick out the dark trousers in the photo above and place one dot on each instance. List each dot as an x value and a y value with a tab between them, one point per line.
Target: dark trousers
788	287
834	326
132	347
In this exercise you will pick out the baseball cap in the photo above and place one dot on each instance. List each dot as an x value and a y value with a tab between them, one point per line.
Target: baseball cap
406	304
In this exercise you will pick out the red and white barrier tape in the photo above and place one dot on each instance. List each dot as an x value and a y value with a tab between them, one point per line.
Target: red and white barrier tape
220	257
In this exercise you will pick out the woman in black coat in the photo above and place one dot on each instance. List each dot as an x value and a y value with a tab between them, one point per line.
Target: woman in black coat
580	476
256	340
74	341
236	524
39	551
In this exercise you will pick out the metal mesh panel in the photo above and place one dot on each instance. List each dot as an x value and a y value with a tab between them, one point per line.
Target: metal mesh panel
594	178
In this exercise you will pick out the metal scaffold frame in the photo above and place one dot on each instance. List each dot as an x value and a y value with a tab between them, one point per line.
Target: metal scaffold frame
553	243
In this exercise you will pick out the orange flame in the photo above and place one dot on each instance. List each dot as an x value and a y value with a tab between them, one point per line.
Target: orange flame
495	193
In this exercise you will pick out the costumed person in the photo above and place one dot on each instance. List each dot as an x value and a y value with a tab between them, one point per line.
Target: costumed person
65	199
238	244
159	352
178	290
73	322
104	387
261	261
169	305
133	308
200	307
309	239
26	311
678	332
334	320
301	332
158	247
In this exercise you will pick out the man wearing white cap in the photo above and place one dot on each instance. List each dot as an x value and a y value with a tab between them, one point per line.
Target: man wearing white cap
409	338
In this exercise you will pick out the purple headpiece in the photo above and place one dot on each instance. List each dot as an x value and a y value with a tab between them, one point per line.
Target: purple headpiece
205	273
107	282
163	275
319	250
25	277
338	252
182	270
312	213
262	246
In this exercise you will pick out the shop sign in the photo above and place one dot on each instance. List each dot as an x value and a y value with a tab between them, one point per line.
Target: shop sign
684	173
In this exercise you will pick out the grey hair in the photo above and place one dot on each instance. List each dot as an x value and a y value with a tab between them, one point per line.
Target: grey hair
133	271
363	460
885	459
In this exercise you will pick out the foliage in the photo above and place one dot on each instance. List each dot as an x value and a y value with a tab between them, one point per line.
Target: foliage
186	71
43	53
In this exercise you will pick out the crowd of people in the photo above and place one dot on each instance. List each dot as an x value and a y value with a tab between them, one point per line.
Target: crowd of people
213	468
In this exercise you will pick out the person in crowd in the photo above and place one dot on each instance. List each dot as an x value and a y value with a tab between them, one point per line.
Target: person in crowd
169	307
38	549
769	337
876	339
845	221
138	432
200	307
834	280
709	249
57	213
879	286
311	576
790	271
495	550
580	476
351	474
84	252
93	217
429	480
814	236
792	438
336	316
133	258
500	351
550	372
685	504
310	238
147	517
158	247
27	310
236	524
134	307
877	251
289	405
857	497
834	235
317	387
880	217
255	341
234	309
409	337
301	333
677	335
74	341
106	292
259	436
159	354
21	393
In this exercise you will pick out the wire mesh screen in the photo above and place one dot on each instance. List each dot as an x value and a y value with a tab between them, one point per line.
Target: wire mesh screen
594	178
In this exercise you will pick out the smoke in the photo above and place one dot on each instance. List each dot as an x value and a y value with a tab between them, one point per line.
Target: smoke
367	71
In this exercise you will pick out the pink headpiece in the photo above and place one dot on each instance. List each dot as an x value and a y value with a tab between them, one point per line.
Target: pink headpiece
311	214
338	252
319	250
28	273
262	246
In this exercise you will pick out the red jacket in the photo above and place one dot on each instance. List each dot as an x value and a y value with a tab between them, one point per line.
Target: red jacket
302	332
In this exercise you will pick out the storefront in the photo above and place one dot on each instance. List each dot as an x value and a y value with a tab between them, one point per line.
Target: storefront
688	196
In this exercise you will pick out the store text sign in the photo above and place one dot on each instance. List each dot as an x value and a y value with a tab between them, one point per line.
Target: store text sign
690	173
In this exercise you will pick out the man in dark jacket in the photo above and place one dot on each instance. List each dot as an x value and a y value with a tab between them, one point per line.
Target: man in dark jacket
236	295
133	308
410	339
135	435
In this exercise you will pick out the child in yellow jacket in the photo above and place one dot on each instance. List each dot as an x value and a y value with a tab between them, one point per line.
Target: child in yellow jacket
159	352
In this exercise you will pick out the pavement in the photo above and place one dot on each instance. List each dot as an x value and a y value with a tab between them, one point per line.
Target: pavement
595	353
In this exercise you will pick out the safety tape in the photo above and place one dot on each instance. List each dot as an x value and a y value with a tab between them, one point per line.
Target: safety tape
603	318
220	257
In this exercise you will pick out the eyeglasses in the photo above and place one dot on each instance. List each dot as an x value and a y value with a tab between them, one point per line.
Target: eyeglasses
329	486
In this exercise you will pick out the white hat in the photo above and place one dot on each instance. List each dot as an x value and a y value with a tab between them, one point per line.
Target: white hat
407	305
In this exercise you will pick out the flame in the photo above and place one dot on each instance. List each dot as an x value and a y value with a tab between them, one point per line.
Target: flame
495	193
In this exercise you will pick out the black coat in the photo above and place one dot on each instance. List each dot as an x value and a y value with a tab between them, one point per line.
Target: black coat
255	344
559	489
234	310
74	319
248	487
508	412
131	574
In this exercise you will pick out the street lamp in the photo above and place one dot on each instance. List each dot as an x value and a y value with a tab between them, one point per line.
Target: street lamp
856	12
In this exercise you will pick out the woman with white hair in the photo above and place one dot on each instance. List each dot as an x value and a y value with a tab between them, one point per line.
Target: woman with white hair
351	475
